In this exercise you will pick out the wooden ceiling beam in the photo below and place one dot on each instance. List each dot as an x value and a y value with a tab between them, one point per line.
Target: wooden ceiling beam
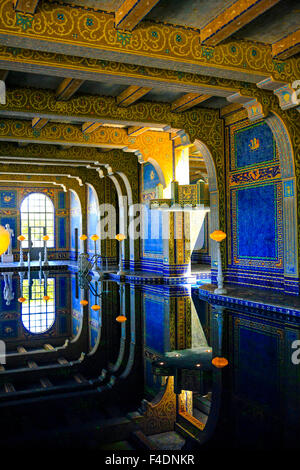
232	19
28	7
131	12
89	127
67	88
187	101
131	95
38	123
134	131
287	46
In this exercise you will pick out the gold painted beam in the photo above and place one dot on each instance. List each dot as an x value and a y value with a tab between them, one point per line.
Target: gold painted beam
89	127
232	19
38	123
287	46
131	12
134	131
131	94
67	88
188	101
171	47
28	7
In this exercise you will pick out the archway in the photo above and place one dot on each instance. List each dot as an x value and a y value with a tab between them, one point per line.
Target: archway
290	226
75	225
213	196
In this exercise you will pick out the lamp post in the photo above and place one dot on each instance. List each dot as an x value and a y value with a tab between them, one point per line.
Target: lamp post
120	237
219	236
21	238
83	238
45	238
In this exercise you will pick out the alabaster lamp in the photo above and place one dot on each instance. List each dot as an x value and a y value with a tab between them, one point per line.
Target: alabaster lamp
83	237
95	238
45	238
218	236
21	238
120	237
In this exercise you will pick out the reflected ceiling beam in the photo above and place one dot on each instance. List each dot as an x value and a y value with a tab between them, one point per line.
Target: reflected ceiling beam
38	123
67	88
134	131
131	12
89	127
287	46
232	19
25	6
3	75
188	101
131	95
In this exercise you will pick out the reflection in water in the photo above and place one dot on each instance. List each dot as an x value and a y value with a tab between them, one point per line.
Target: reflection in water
169	332
38	315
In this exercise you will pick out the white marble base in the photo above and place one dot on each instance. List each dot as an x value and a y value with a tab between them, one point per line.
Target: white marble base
7	258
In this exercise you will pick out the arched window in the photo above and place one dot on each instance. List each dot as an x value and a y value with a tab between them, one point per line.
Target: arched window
37	212
38	315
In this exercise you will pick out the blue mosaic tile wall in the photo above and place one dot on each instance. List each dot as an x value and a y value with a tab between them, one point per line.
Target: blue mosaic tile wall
255	202
257	222
152	246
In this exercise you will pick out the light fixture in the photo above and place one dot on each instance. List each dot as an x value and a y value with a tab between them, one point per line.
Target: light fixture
83	237
4	240
94	237
46	298
120	237
220	362
46	238
21	299
121	318
218	235
21	238
95	307
83	302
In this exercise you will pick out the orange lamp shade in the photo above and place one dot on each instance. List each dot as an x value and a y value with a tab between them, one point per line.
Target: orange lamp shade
4	240
21	238
21	299
95	307
120	237
83	237
94	237
217	235
219	362
46	297
46	238
83	302
121	318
